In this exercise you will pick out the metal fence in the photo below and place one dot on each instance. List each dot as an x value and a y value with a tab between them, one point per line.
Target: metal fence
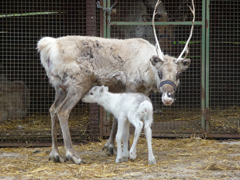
173	26
207	105
25	93
222	58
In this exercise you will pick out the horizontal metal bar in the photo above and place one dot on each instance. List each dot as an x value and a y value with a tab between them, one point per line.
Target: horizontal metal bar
37	144
155	131
189	23
29	14
214	136
28	144
167	135
237	43
184	42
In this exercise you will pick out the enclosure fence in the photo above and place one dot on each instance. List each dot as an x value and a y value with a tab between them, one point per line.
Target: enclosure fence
207	104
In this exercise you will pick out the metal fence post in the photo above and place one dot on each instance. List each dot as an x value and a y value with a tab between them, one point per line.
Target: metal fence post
207	62
203	71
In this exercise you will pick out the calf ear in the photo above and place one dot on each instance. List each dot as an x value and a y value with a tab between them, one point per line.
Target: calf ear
105	88
184	64
101	89
156	61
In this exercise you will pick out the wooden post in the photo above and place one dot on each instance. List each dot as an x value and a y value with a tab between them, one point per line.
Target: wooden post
91	31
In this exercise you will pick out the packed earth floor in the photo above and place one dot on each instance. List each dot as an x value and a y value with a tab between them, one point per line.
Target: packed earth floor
191	158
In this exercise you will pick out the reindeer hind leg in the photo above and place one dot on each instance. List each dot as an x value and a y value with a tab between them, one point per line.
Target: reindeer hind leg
64	109
110	143
59	97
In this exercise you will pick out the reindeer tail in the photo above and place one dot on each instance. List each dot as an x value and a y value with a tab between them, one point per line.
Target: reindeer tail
47	47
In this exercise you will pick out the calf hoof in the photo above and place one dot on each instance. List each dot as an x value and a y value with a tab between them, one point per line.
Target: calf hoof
132	156
124	159
118	160
56	157
152	162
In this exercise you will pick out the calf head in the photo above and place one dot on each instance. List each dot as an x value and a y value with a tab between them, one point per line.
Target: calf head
170	68
94	94
169	71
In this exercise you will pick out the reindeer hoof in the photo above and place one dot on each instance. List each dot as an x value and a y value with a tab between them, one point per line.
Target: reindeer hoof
56	158
74	158
83	162
104	148
110	149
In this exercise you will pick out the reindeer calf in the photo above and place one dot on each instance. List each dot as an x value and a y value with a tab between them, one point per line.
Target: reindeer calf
131	106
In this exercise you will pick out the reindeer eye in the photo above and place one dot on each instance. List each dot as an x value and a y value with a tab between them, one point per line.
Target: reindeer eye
160	74
178	75
91	93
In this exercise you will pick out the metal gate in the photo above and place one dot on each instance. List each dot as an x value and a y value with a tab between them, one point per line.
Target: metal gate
207	105
223	68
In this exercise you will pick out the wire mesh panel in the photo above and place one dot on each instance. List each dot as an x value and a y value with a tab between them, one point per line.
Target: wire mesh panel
224	67
184	116
168	10
25	93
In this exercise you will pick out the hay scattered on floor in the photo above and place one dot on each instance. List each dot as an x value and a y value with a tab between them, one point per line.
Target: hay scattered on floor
43	122
194	156
225	120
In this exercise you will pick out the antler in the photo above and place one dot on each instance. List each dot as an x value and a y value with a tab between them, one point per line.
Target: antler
186	49
160	53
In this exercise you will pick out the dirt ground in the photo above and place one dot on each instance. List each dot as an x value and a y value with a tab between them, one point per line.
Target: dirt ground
191	158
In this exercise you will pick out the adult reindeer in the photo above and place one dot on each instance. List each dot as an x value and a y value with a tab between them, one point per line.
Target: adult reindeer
74	64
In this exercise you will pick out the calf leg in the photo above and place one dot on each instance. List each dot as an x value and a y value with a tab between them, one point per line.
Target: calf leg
125	141
110	143
121	123
59	97
138	129
148	134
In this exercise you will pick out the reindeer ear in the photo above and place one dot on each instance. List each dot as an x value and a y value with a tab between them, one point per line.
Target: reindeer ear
184	64
156	61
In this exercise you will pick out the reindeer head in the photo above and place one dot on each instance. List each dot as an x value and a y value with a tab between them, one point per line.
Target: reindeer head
170	68
169	71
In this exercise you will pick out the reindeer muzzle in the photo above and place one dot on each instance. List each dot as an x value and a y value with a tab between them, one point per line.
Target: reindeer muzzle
176	89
